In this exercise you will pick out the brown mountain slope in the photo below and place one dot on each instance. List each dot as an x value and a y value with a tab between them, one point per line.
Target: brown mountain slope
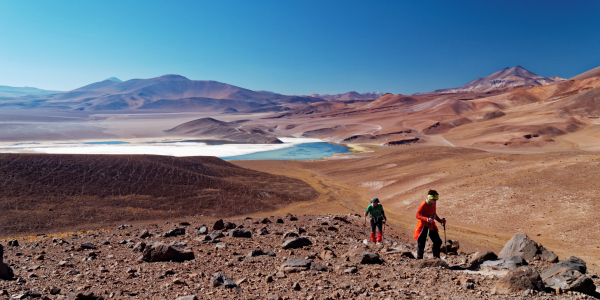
589	74
48	192
210	128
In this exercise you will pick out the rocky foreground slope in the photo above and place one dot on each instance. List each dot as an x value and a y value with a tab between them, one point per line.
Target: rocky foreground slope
309	257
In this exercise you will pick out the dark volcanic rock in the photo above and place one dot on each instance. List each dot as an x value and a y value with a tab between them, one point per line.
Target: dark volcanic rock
167	252
521	245
174	232
518	280
230	225
219	225
370	258
218	279
139	247
255	253
145	234
6	272
13	243
88	246
298	242
217	234
240	233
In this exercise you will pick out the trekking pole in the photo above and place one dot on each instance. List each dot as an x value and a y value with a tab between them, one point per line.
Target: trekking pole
445	245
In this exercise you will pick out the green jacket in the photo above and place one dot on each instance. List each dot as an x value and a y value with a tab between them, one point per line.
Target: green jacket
375	211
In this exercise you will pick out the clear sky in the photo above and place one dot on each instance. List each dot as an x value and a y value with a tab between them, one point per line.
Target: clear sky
295	47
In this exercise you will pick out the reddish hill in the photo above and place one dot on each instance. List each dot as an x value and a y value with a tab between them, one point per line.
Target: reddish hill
47	192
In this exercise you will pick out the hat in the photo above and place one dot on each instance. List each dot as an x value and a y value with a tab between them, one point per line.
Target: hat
375	200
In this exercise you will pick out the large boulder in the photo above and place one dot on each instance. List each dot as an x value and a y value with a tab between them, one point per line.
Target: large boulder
292	265
569	275
521	245
504	263
296	243
519	280
370	258
6	272
167	252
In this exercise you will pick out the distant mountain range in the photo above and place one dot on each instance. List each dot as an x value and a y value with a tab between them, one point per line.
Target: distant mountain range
348	96
13	92
509	77
165	93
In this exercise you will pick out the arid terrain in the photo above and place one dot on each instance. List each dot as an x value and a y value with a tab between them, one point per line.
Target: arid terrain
277	257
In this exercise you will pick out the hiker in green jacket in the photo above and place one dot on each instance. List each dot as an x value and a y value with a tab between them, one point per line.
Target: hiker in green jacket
375	211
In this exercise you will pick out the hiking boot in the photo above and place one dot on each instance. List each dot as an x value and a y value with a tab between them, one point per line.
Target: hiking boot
373	238
420	253
436	252
379	237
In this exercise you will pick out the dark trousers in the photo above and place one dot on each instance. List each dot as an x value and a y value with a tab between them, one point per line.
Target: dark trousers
435	238
376	225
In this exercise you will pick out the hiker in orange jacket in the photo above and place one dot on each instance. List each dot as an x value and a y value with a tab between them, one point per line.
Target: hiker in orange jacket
426	225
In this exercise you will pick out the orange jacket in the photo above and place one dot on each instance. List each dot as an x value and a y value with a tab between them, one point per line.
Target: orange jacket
423	214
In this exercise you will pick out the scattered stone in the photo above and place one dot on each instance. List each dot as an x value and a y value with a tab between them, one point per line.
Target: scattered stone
318	267
332	228
39	257
351	270
292	265
238	233
327	254
430	263
13	243
167	252
191	297
219	225
279	221
174	232
230	225
519	280
296	286
298	242
145	234
88	296
290	234
265	221
269	279
292	218
504	263
255	253
452	246
54	291
521	245
370	258
218	279
479	257
139	247
202	230
342	219
217	234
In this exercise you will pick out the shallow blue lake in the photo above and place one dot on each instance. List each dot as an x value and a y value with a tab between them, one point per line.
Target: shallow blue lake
296	152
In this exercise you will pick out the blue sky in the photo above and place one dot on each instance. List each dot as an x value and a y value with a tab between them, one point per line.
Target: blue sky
295	47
